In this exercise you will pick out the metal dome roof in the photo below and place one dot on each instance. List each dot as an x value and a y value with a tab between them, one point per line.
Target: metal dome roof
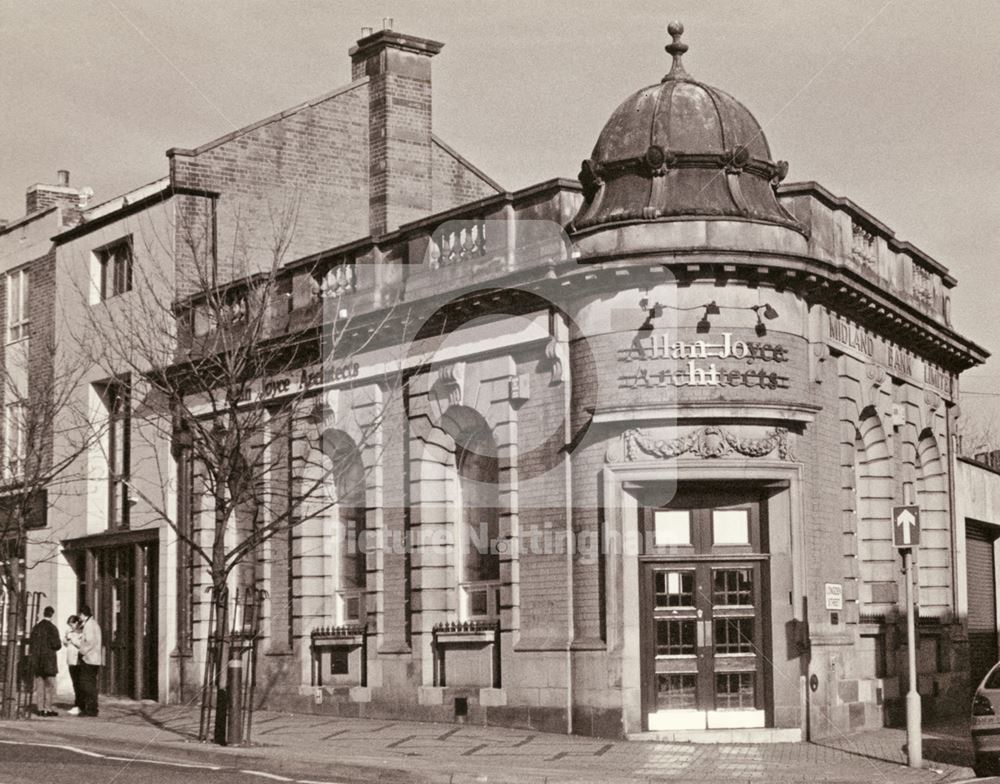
681	149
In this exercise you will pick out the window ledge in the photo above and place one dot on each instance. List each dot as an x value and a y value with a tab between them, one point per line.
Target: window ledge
466	631
339	636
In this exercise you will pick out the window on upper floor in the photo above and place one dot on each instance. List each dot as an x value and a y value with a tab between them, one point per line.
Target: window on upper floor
17	305
116	396
14	440
115	262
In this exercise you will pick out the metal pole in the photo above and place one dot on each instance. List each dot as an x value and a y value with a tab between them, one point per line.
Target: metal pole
234	693
914	740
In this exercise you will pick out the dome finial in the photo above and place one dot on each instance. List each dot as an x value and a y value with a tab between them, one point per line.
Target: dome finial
676	49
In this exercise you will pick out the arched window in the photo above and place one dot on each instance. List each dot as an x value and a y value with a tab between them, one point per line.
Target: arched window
346	493
478	505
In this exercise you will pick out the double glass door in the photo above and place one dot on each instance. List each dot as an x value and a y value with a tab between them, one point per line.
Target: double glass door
704	612
122	587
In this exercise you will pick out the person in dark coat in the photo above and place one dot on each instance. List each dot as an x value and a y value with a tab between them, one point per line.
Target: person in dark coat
44	642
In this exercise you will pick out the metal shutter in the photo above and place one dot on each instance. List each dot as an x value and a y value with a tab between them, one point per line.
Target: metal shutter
981	573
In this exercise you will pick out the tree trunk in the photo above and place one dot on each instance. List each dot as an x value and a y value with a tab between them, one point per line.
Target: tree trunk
11	642
215	652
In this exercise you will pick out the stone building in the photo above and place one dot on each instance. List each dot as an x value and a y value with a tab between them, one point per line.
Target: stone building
628	447
358	160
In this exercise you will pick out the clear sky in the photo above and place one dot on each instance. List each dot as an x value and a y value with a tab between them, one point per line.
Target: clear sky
892	104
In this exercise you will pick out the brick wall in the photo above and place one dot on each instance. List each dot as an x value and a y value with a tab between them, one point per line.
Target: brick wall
400	165
455	181
42	197
297	180
43	379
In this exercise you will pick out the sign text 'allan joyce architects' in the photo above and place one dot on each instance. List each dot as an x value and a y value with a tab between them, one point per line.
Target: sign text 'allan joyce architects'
660	359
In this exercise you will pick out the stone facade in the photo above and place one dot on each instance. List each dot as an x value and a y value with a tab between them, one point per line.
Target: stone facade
696	394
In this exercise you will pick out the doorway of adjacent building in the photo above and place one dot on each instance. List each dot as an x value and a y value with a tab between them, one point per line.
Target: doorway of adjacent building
120	581
705	612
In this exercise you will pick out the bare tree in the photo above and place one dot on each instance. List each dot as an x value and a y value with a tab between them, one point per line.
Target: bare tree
978	432
45	433
218	375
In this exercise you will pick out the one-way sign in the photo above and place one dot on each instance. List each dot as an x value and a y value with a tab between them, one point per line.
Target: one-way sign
906	526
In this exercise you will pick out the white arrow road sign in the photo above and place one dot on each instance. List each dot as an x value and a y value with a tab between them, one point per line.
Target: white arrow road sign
906	528
906	520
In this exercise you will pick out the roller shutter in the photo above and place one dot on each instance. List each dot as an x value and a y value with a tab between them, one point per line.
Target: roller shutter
981	570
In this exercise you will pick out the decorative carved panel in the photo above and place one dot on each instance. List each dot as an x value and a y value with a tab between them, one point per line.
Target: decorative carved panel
707	442
923	288
863	251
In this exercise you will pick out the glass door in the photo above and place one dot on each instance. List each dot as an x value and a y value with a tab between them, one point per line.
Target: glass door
704	611
114	612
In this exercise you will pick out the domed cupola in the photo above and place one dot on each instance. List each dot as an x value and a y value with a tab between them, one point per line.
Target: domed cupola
680	150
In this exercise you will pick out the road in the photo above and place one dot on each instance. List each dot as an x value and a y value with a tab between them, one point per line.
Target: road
31	763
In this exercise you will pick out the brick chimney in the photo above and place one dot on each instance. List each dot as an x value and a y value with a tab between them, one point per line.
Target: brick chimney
41	197
398	67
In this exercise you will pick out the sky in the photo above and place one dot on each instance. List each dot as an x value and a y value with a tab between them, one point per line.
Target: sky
891	104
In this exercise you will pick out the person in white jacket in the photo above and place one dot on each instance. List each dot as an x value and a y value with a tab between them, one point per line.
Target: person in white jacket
91	658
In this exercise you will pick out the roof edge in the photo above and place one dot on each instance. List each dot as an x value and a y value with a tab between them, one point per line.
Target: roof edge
435	139
973	462
25	219
844	204
188	152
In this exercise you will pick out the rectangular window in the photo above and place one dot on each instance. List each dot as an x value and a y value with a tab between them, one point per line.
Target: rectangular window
675	637
17	305
734	635
735	690
676	690
730	526
14	440
732	587
480	601
116	268
674	589
117	398
671	526
352	608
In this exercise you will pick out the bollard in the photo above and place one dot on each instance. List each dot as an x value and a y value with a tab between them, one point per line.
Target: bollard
221	706
234	689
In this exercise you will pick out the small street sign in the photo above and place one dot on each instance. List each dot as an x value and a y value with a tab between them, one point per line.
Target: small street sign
834	594
906	526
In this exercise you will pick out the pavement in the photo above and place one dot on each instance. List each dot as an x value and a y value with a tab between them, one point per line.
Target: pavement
314	748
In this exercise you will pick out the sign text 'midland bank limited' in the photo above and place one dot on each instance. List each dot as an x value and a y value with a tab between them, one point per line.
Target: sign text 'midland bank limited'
845	334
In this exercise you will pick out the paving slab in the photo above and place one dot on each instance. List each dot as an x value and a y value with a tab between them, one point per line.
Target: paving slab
319	747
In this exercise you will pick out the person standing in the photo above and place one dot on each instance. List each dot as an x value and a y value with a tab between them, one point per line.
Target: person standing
91	657
72	642
43	643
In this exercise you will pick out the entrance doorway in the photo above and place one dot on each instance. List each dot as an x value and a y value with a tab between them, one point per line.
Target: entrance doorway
705	614
118	579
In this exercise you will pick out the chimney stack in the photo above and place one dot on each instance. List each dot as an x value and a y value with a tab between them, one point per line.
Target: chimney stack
398	68
41	197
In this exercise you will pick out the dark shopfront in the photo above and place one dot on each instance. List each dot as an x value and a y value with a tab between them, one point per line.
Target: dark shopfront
117	575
